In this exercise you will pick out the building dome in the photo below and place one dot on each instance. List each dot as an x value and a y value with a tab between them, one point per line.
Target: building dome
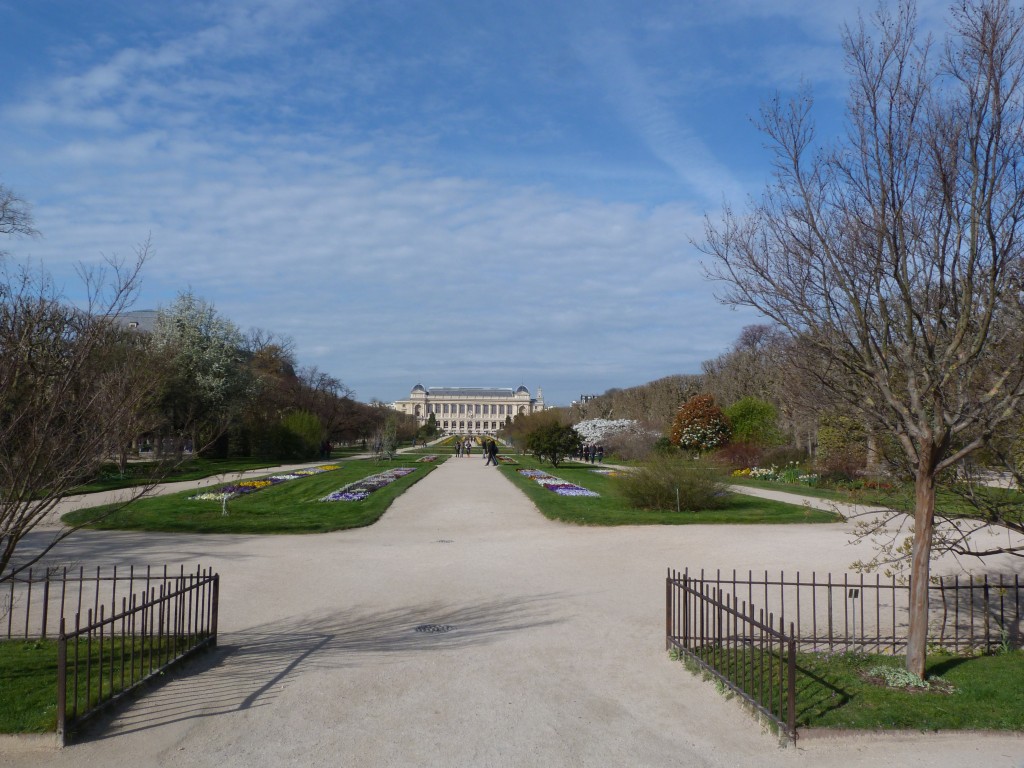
522	390
418	388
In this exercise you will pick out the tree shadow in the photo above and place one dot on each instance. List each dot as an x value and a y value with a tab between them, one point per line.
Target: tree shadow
248	667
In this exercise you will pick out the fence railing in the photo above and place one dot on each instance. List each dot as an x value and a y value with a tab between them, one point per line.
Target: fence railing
870	614
135	624
746	629
737	643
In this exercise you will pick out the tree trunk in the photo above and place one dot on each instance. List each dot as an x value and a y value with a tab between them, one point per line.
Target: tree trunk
924	518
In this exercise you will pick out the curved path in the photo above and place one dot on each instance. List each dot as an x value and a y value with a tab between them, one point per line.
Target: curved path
554	654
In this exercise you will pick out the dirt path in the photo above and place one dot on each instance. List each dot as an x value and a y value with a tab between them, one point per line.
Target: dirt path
553	654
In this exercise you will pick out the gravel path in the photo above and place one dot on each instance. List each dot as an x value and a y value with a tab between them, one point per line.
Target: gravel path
554	654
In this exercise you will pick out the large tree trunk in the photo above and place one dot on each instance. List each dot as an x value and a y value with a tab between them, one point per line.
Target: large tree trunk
924	518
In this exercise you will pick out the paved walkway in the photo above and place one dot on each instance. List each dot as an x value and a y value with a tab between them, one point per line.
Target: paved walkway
554	655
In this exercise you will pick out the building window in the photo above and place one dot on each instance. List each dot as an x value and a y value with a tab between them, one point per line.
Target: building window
501	410
476	408
462	407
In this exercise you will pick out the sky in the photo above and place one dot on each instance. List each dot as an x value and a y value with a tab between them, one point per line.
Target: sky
450	193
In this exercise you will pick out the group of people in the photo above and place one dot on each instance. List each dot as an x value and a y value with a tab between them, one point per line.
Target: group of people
489	449
591	453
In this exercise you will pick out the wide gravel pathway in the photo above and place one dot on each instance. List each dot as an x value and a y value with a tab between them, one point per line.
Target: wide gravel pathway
554	654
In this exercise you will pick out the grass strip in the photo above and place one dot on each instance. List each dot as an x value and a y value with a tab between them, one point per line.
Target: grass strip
844	690
28	677
610	508
140	473
291	507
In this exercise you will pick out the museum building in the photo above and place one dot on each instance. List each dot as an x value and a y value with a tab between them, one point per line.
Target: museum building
469	410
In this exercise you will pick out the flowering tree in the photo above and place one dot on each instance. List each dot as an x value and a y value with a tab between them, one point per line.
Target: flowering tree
700	425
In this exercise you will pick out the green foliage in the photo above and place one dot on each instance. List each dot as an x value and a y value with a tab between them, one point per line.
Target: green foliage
428	430
669	483
753	421
842	444
664	445
898	677
307	430
700	425
554	442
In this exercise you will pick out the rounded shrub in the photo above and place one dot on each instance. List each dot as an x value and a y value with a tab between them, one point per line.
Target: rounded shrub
665	480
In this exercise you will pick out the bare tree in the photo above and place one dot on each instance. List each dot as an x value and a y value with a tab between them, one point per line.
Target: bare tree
74	387
15	215
896	252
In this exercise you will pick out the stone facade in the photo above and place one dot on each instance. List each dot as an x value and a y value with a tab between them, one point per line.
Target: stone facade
469	410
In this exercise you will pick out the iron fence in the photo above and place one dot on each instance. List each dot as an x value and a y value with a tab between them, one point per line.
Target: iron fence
870	614
135	624
728	625
735	642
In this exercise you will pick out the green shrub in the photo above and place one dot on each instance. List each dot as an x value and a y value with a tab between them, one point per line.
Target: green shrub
655	485
842	445
753	421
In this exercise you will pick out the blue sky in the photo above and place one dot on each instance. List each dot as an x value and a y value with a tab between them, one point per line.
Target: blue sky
453	193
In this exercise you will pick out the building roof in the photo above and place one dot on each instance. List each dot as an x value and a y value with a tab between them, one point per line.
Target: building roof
470	392
138	319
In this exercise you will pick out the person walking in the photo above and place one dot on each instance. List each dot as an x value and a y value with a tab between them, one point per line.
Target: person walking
492	453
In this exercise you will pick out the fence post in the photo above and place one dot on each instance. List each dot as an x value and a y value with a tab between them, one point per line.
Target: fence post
216	604
668	610
791	684
46	602
62	683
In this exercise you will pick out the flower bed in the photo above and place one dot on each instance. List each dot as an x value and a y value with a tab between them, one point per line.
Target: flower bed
556	484
430	458
789	474
506	460
251	486
360	489
607	472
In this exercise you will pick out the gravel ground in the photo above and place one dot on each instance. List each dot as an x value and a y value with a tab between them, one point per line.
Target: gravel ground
554	653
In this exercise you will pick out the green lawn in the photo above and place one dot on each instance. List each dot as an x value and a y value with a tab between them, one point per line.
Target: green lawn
899	497
139	473
987	693
845	690
28	677
28	686
290	507
611	509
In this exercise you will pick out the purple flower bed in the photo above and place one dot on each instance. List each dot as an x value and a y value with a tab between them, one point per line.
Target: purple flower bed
251	486
556	484
360	489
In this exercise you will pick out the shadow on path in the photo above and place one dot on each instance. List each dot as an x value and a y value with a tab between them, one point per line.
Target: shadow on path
249	667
